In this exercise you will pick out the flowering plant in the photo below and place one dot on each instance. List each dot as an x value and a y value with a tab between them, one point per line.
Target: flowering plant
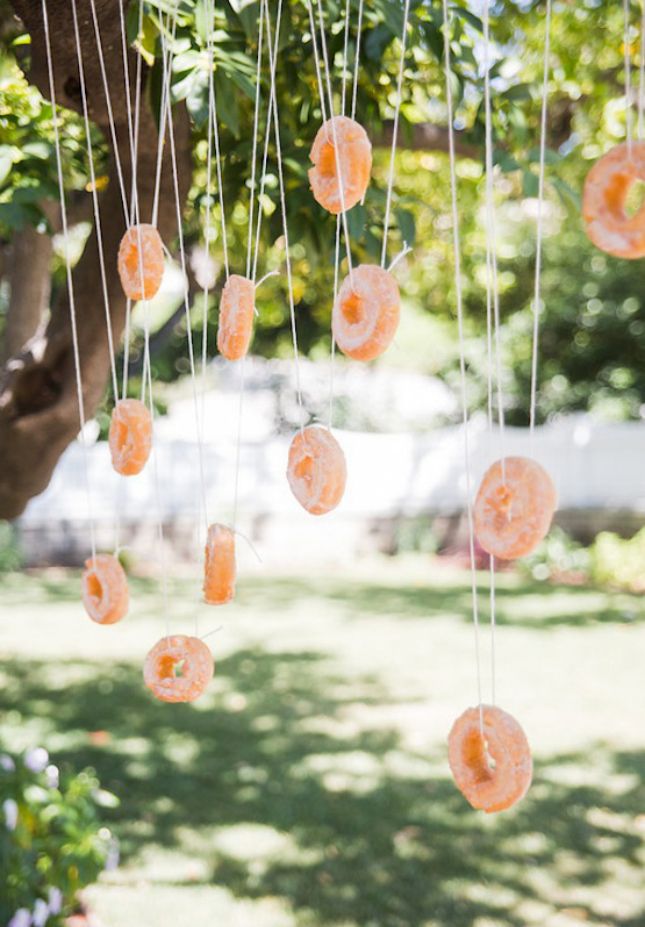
51	841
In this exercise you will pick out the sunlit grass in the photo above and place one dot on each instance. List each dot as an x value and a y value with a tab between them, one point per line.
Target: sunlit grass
310	786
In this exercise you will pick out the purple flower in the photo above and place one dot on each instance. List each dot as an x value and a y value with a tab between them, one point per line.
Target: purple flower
22	918
55	900
10	809
41	913
52	777
7	763
37	759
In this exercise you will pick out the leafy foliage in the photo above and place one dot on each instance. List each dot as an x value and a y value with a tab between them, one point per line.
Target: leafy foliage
51	840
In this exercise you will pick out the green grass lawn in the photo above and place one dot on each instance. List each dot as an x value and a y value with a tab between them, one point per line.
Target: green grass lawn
310	785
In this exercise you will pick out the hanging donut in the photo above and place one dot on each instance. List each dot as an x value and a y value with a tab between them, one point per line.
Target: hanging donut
178	668
316	470
492	772
354	160
514	507
604	202
236	315
366	313
105	589
219	565
141	274
130	436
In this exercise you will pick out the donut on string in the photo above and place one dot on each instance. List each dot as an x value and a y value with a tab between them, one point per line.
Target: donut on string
219	565
492	772
178	668
236	312
105	589
604	199
354	157
514	507
366	313
316	470
130	436
141	274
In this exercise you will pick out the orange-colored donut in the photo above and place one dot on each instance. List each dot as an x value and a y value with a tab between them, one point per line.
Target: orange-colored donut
354	160
178	668
236	312
219	565
316	471
130	436
603	202
514	507
105	589
150	266
490	786
366	312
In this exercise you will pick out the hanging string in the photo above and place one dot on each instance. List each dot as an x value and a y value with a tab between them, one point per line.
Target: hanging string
70	283
462	360
540	220
256	126
628	78
641	75
220	186
395	131
491	232
273	104
359	28
254	153
339	174
332	356
209	199
95	202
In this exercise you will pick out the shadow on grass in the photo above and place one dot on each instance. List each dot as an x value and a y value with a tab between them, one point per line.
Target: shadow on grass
377	836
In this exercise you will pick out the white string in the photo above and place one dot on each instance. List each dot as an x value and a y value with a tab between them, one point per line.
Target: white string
209	175
273	54
189	333
95	203
332	355
220	187
641	75
256	128
628	78
395	132
339	173
462	361
540	217
491	233
314	42
70	284
357	57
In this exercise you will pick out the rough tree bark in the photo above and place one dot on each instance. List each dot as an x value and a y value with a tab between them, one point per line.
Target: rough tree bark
30	284
38	406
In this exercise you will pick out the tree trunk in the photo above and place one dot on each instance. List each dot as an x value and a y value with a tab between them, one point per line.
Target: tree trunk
39	414
30	285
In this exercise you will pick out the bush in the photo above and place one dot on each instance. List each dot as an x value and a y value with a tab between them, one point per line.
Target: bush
51	841
618	562
10	553
558	559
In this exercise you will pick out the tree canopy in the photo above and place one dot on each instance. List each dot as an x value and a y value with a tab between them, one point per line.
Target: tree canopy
593	323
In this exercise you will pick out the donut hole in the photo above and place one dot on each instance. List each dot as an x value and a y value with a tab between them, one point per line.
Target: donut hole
634	200
353	309
94	587
476	756
304	469
327	160
169	667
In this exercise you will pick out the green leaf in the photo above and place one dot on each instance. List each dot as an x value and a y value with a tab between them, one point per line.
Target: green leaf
407	225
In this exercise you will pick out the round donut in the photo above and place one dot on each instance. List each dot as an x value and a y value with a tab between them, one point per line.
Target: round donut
316	470
366	312
130	436
178	668
141	276
354	160
236	314
105	589
219	565
604	197
495	772
514	507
